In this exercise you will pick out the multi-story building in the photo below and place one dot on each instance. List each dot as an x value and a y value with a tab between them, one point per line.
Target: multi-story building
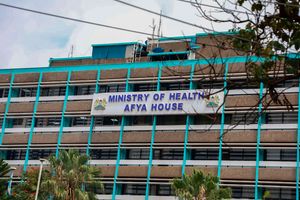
147	113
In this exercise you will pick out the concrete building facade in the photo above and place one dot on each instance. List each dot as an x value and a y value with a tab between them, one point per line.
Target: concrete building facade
46	109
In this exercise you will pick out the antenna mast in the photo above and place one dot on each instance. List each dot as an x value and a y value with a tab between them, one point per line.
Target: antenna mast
159	31
70	55
153	27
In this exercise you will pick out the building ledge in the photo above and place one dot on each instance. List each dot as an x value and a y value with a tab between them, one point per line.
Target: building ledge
168	53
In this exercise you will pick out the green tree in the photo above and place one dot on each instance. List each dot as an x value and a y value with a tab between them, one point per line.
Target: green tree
26	189
199	186
4	170
4	179
70	174
267	29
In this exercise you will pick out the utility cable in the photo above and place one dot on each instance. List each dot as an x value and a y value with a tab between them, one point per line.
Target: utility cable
196	4
77	20
104	25
201	4
162	15
185	22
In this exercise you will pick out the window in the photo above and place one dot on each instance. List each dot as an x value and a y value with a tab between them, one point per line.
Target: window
17	122
20	154
137	154
207	119
139	120
27	92
161	190
108	188
53	91
175	86
242	192
84	90
241	84
227	154
288	155
103	154
205	154
172	56
239	154
112	88
43	122
36	154
168	154
212	84
281	193
80	151
164	190
14	154
4	92
80	121
243	118
144	87
53	121
134	189
171	120
28	122
107	121
289	83
280	154
215	83
282	118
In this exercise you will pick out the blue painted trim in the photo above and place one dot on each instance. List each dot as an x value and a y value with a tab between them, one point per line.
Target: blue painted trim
187	126
222	124
298	145
33	121
97	88
195	47
216	33
152	140
193	37
168	53
12	78
117	44
187	37
61	127
237	59
119	144
92	118
258	140
72	58
293	55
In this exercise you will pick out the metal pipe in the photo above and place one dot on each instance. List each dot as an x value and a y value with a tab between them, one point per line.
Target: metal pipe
39	178
10	180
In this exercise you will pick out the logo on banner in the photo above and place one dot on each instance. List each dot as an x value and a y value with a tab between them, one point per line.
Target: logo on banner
213	101
100	104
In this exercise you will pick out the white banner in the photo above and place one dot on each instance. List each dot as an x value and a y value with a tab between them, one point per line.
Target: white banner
157	103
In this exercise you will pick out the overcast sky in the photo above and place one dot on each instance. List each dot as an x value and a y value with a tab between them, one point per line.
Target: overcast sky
29	40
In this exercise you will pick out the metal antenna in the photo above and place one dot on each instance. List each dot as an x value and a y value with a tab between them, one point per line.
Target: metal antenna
153	27
70	55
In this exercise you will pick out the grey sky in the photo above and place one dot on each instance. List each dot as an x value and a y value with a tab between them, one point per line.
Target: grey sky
29	40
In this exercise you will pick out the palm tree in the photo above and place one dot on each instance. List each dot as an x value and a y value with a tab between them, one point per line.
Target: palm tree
70	174
4	170
198	186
